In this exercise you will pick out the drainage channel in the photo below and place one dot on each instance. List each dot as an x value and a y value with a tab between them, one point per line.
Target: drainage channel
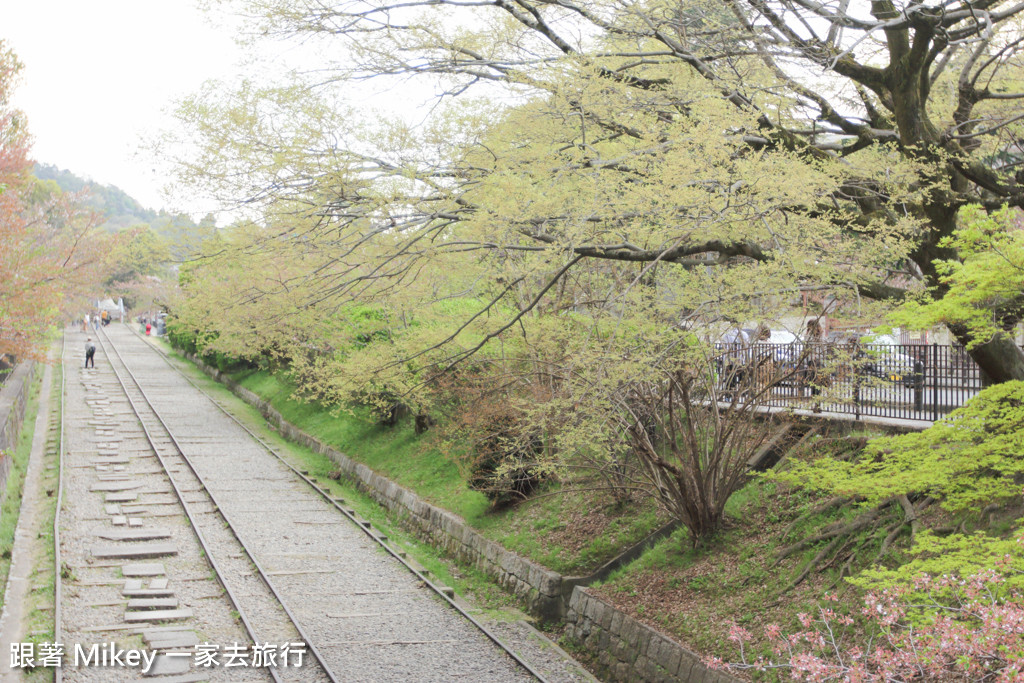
58	585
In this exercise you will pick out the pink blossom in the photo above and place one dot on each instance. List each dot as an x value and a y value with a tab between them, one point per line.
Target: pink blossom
971	636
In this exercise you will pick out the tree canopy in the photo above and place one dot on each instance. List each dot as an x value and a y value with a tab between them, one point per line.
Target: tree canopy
51	250
821	146
599	191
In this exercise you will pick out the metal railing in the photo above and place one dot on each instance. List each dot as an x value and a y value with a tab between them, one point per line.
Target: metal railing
905	381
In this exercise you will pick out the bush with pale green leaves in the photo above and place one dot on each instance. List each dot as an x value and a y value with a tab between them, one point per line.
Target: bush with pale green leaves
967	460
970	461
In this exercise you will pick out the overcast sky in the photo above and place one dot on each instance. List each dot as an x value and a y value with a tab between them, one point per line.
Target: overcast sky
100	73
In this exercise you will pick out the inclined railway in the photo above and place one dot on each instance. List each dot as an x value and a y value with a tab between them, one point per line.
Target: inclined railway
186	535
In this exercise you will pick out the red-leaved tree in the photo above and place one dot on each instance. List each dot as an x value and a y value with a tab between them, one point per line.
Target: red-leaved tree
50	257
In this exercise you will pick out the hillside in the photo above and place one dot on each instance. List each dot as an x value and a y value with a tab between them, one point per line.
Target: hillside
120	209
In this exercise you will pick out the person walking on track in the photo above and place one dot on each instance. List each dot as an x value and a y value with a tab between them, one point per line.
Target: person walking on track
90	351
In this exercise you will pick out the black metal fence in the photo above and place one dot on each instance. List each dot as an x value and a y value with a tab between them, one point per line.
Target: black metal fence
907	381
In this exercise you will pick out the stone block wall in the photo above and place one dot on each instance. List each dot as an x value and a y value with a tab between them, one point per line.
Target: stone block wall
13	400
627	650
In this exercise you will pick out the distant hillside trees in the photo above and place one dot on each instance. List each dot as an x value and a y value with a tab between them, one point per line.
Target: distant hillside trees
809	145
118	209
152	242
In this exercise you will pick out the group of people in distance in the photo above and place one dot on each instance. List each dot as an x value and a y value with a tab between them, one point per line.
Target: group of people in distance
96	319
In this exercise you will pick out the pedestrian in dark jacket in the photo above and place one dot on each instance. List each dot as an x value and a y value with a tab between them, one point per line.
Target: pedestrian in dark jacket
90	351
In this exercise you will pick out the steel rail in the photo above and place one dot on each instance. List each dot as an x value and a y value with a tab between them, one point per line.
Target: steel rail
326	495
58	674
178	494
220	511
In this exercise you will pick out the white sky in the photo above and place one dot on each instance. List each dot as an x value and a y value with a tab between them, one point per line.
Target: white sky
99	75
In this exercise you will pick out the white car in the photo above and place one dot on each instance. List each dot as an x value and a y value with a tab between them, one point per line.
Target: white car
887	361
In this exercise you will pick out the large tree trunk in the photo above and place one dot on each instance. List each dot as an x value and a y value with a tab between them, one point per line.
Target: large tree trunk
1000	359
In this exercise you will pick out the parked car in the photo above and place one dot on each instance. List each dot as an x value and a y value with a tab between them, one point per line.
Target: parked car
886	360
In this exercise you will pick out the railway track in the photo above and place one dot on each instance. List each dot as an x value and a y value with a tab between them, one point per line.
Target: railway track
296	565
441	591
138	558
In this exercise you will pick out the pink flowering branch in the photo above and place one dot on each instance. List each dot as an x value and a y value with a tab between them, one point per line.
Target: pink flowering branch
966	630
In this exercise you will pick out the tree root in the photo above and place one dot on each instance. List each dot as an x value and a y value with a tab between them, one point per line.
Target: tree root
842	536
807	568
829	504
847	568
894	531
837	530
836	557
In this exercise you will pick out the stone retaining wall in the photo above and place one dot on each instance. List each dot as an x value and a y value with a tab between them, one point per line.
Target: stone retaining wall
13	399
627	650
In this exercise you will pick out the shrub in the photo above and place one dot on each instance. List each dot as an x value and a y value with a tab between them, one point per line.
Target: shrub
969	629
504	461
505	467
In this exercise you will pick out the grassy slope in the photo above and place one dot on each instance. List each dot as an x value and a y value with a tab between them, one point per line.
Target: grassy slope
39	617
697	594
694	595
568	533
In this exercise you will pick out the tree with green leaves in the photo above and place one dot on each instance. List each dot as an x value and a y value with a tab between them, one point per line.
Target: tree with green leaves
939	483
979	286
146	253
632	175
913	110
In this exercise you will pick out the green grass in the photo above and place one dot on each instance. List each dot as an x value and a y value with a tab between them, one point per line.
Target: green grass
534	528
397	452
41	600
695	594
421	464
